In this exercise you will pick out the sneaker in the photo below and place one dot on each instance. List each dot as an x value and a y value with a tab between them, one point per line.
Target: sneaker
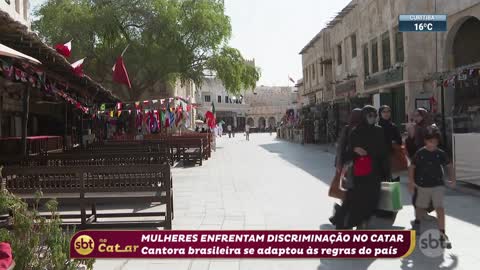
415	227
445	241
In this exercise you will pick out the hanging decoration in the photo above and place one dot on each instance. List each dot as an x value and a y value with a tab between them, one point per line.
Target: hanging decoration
462	78
162	112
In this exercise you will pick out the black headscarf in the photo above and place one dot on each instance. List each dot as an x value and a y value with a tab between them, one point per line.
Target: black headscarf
344	139
383	108
355	117
368	109
390	130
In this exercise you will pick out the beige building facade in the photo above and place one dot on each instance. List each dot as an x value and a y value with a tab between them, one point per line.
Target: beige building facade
268	104
361	55
18	10
229	108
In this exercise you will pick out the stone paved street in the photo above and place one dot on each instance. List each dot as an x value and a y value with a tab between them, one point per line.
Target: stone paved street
271	184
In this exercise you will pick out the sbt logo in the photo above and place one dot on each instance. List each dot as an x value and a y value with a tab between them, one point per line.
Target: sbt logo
84	245
430	243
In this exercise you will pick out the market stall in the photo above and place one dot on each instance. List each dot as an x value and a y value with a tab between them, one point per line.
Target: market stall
463	126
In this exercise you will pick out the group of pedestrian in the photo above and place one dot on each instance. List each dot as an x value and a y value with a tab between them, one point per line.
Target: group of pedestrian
365	151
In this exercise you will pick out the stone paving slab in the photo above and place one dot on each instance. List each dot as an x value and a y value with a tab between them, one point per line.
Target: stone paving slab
269	184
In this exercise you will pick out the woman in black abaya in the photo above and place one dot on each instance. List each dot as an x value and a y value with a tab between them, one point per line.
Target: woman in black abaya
367	142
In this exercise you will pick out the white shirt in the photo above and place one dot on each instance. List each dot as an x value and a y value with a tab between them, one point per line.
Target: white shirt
229	128
247	128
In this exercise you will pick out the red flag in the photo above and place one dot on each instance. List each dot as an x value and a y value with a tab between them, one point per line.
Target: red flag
64	49
78	67
167	122
120	74
179	116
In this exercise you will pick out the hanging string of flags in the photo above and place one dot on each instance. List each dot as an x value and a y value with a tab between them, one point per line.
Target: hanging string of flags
172	104
151	114
464	78
167	112
38	79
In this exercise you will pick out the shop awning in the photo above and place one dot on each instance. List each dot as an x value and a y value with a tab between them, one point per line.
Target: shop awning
9	52
18	37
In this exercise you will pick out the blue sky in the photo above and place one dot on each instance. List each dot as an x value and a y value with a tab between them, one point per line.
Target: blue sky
274	31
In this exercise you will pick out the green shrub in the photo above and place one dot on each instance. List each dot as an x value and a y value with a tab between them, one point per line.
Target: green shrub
37	243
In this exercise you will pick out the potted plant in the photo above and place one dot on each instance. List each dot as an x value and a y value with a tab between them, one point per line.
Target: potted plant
37	243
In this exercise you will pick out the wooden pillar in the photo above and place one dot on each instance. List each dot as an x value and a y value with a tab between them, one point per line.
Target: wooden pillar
81	130
65	135
26	108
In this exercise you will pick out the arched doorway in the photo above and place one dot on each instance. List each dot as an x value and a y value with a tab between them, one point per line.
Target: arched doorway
262	123
466	43
250	122
272	122
462	54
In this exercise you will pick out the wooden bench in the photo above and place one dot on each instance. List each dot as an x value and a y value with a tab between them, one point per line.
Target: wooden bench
207	142
160	145
187	149
96	158
88	186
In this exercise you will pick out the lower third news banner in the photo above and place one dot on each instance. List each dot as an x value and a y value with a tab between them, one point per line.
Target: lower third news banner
242	244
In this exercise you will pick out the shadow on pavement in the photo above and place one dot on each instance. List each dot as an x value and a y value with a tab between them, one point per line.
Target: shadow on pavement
338	264
308	158
341	264
311	159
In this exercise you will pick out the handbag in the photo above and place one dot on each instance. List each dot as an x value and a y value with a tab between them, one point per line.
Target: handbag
399	158
362	166
335	191
390	197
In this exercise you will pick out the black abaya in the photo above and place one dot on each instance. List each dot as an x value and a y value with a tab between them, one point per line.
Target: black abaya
362	201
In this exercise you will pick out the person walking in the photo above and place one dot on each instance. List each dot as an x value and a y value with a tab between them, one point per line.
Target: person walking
229	130
416	140
369	154
426	177
247	132
216	130
220	130
392	136
422	119
335	190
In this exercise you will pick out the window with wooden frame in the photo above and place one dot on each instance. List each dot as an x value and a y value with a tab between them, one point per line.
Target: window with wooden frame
339	54
399	49
387	63
374	56
353	39
366	60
